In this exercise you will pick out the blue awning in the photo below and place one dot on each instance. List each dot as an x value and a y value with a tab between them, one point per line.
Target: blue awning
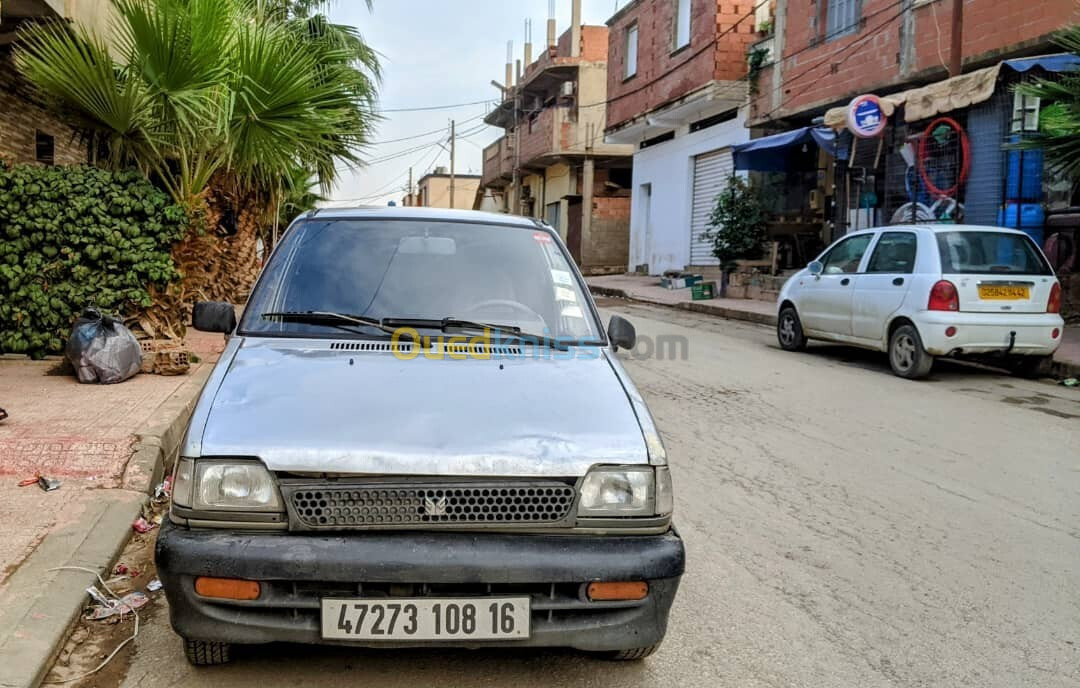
769	153
1062	62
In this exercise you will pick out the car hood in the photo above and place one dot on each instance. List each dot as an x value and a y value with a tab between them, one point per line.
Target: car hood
300	406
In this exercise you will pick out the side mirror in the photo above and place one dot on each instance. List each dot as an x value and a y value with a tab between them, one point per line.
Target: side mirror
816	268
621	333
214	316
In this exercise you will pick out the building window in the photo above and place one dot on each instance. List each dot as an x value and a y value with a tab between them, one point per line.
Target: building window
631	52
842	18
45	148
1025	114
682	23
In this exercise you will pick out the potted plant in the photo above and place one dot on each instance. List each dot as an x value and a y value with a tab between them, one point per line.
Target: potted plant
765	28
738	227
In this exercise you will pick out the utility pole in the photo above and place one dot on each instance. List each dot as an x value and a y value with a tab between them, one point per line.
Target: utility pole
956	52
452	149
412	199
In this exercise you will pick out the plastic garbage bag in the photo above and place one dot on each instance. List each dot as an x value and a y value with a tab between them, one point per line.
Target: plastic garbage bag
102	349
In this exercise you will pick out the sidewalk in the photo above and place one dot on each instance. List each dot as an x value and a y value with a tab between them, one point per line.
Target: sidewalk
108	446
648	290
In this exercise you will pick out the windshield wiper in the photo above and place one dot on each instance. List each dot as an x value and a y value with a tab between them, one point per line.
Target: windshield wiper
458	324
333	320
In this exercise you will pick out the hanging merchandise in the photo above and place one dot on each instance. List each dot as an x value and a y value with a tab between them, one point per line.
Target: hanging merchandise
944	159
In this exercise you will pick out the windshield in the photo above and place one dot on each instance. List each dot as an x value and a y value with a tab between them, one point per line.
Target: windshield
990	252
419	269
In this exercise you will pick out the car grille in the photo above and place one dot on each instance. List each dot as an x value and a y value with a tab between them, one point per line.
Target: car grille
429	505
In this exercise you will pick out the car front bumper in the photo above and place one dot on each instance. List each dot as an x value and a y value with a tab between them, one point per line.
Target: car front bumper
297	571
983	333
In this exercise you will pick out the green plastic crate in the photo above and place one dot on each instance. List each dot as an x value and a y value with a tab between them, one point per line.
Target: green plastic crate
705	290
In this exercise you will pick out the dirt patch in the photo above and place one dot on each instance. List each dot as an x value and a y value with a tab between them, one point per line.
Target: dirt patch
90	642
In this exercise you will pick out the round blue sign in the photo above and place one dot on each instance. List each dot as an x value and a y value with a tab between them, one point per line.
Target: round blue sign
866	118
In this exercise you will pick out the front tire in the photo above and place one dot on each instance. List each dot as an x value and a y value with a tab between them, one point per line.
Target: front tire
907	356
789	330
206	652
633	655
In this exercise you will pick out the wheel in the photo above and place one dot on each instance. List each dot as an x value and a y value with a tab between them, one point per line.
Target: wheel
907	356
789	330
206	652
1027	366
634	654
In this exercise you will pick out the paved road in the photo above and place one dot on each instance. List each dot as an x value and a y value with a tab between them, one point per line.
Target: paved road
844	528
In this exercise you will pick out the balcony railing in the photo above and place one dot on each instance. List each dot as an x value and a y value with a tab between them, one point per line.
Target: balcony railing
498	163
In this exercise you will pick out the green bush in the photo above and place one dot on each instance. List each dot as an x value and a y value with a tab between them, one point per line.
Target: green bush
74	236
739	223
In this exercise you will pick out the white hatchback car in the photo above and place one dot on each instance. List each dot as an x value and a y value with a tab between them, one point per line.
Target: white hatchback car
918	292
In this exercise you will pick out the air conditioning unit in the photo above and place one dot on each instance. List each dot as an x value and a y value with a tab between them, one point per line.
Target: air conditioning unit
568	89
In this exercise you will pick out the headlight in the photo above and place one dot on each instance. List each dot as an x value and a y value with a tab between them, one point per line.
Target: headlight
618	491
224	485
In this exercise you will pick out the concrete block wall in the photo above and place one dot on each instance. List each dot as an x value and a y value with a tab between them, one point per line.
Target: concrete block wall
609	240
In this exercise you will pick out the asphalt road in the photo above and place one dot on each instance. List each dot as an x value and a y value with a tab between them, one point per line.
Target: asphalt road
844	528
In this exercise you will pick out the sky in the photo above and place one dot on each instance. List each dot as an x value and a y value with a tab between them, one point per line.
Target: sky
438	53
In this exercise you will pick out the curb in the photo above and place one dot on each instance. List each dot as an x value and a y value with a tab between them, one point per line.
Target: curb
693	306
1057	369
39	606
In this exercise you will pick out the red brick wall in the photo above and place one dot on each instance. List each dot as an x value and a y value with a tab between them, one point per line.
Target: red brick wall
663	76
609	235
869	60
21	119
594	47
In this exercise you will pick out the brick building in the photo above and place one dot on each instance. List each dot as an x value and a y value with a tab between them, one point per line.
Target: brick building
28	132
552	162
676	92
832	50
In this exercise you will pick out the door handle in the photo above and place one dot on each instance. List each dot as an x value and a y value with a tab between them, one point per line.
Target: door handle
898	281
845	281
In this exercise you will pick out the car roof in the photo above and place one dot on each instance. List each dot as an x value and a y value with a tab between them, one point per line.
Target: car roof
938	228
419	213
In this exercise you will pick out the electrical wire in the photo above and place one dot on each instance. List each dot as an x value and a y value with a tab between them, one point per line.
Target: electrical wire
119	647
428	108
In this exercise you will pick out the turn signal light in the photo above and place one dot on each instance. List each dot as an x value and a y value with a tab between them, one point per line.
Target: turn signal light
943	297
227	588
1053	305
623	590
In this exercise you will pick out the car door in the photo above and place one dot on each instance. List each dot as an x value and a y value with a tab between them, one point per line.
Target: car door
825	303
880	289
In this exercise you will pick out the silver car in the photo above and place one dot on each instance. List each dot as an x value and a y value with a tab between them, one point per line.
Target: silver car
419	434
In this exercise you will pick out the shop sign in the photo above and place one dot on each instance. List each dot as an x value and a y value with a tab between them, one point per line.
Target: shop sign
866	117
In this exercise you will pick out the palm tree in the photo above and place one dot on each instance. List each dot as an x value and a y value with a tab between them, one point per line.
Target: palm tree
1059	121
228	90
229	105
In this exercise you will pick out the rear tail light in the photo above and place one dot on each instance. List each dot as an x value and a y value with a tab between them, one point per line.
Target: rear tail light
1055	333
1053	304
943	297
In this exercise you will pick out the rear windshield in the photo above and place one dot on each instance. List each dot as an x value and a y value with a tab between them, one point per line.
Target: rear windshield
990	252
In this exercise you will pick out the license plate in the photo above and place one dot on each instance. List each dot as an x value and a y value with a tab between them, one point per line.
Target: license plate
994	292
424	619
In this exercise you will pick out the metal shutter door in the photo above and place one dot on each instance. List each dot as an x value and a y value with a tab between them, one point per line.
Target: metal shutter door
711	172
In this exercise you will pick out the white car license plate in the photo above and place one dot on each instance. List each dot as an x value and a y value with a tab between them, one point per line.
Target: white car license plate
420	619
